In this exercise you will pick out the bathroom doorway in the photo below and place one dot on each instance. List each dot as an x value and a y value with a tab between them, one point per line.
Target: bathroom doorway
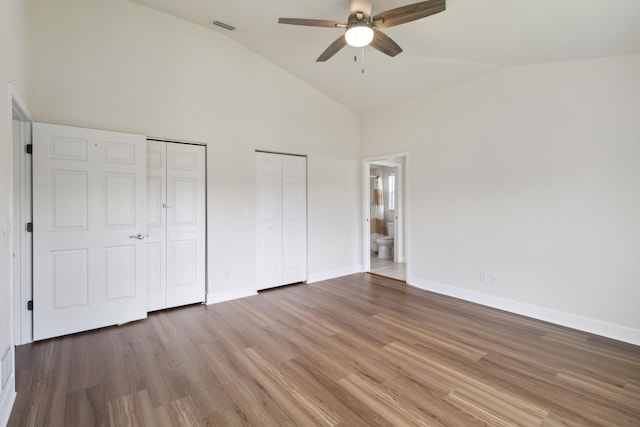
385	223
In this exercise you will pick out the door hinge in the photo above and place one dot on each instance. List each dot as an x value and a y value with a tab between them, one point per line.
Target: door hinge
30	305
28	148
29	227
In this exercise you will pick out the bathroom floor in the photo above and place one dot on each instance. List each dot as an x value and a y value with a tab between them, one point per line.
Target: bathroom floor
388	268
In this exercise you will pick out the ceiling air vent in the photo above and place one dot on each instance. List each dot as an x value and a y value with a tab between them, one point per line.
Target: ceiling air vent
223	25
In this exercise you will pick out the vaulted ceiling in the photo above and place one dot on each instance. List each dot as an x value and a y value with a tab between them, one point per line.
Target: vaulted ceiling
471	38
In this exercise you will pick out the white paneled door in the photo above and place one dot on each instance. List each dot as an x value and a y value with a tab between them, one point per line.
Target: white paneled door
281	219
89	206
176	224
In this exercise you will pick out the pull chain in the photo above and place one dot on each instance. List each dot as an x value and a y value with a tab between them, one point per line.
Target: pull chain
355	59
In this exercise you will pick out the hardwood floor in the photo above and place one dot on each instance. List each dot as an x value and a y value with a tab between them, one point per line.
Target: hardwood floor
356	351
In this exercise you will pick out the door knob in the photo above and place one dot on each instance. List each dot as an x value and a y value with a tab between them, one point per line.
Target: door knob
138	236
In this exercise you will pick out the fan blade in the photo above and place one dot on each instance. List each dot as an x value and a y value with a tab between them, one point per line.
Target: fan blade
412	12
385	44
363	6
311	22
332	49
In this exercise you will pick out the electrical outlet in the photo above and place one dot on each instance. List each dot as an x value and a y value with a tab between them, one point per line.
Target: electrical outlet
493	279
483	277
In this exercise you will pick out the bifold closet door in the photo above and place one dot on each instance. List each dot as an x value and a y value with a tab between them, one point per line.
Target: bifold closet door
281	219
176	224
89	252
157	224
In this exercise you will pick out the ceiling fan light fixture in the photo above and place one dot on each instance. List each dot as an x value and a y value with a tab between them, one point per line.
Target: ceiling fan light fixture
359	35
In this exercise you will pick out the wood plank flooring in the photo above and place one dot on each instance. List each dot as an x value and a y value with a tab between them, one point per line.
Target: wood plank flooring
356	351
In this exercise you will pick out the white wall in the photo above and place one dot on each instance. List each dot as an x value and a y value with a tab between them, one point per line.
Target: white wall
120	66
13	63
532	174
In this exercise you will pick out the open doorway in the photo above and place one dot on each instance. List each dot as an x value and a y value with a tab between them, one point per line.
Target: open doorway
385	225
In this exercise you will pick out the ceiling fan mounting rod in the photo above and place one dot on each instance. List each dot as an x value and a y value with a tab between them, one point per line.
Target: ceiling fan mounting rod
359	18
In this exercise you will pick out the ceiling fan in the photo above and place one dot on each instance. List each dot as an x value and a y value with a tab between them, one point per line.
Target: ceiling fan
363	29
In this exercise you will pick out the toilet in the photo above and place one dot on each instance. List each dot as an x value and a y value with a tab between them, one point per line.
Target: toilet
374	245
385	243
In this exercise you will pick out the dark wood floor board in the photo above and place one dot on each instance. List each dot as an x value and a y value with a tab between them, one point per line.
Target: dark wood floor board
48	402
426	366
163	327
301	314
339	351
356	413
195	325
272	336
632	385
89	360
437	411
554	354
358	322
87	407
231	334
369	363
325	358
183	412
532	375
389	405
147	376
615	395
320	390
245	401
275	341
535	382
263	315
121	373
285	396
611	345
619	357
431	338
360	350
451	371
188	368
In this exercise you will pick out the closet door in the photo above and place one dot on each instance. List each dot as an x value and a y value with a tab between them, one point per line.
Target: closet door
186	224
176	223
294	219
269	220
157	224
89	203
281	219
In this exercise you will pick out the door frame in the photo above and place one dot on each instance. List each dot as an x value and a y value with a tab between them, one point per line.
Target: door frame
402	201
22	318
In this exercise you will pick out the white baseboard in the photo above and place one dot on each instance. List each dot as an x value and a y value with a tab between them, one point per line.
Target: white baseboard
332	274
7	398
581	323
222	296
